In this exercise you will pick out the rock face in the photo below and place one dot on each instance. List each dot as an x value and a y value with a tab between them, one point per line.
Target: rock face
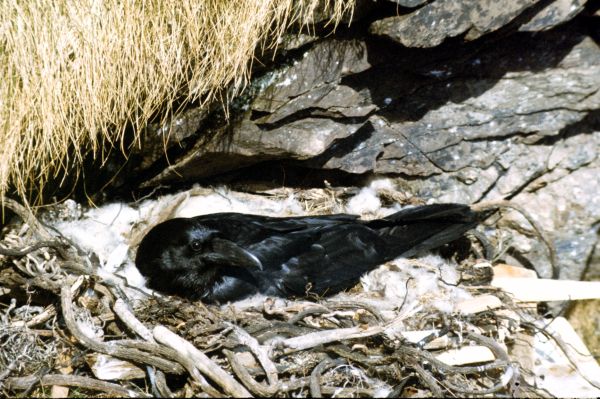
458	101
434	22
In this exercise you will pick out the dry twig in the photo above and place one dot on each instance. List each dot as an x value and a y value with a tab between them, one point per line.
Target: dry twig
260	351
21	383
200	361
111	348
494	205
315	376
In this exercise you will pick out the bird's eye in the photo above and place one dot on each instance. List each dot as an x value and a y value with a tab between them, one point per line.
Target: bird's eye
196	245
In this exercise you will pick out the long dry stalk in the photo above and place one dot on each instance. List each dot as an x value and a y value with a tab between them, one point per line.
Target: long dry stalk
77	73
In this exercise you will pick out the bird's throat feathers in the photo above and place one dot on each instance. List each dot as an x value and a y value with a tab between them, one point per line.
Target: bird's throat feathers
193	284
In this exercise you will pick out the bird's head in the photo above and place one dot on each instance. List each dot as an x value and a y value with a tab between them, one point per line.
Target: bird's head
181	256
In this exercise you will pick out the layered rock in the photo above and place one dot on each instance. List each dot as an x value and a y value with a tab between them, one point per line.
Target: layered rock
457	101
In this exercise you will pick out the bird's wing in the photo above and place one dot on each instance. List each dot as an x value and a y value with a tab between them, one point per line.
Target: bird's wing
247	229
276	250
421	228
307	222
321	260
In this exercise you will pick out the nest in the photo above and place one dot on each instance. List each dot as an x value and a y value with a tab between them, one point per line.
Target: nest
65	327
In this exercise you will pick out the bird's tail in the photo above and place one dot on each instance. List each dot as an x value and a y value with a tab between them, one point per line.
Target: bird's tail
426	227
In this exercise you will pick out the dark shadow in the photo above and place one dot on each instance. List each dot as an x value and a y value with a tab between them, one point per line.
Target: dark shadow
277	174
588	125
407	83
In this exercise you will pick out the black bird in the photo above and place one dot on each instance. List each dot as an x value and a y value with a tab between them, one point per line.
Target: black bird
225	257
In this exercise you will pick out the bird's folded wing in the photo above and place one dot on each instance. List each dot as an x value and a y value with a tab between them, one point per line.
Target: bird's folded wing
253	229
321	261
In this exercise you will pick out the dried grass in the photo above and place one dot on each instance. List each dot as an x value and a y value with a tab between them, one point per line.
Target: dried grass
77	74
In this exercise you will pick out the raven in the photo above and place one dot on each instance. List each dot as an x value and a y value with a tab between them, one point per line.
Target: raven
225	257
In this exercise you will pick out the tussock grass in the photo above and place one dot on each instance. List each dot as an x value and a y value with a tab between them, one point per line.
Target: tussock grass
77	73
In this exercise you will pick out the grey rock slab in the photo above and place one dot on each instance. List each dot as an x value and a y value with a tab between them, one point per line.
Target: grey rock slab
537	166
332	100
557	183
358	152
430	126
479	122
466	186
299	139
568	209
431	24
293	41
479	154
404	157
520	102
326	62
476	131
555	13
409	3
565	201
522	163
249	144
398	154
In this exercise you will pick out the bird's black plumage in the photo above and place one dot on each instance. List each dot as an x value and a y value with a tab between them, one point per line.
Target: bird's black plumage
228	256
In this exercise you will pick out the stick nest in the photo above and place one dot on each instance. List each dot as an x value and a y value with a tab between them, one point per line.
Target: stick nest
64	326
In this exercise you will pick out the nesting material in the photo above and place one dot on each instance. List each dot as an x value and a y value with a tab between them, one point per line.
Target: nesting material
480	303
539	290
438	321
569	369
467	355
106	367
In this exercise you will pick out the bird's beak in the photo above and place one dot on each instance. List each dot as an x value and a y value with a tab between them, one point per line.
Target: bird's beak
227	253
